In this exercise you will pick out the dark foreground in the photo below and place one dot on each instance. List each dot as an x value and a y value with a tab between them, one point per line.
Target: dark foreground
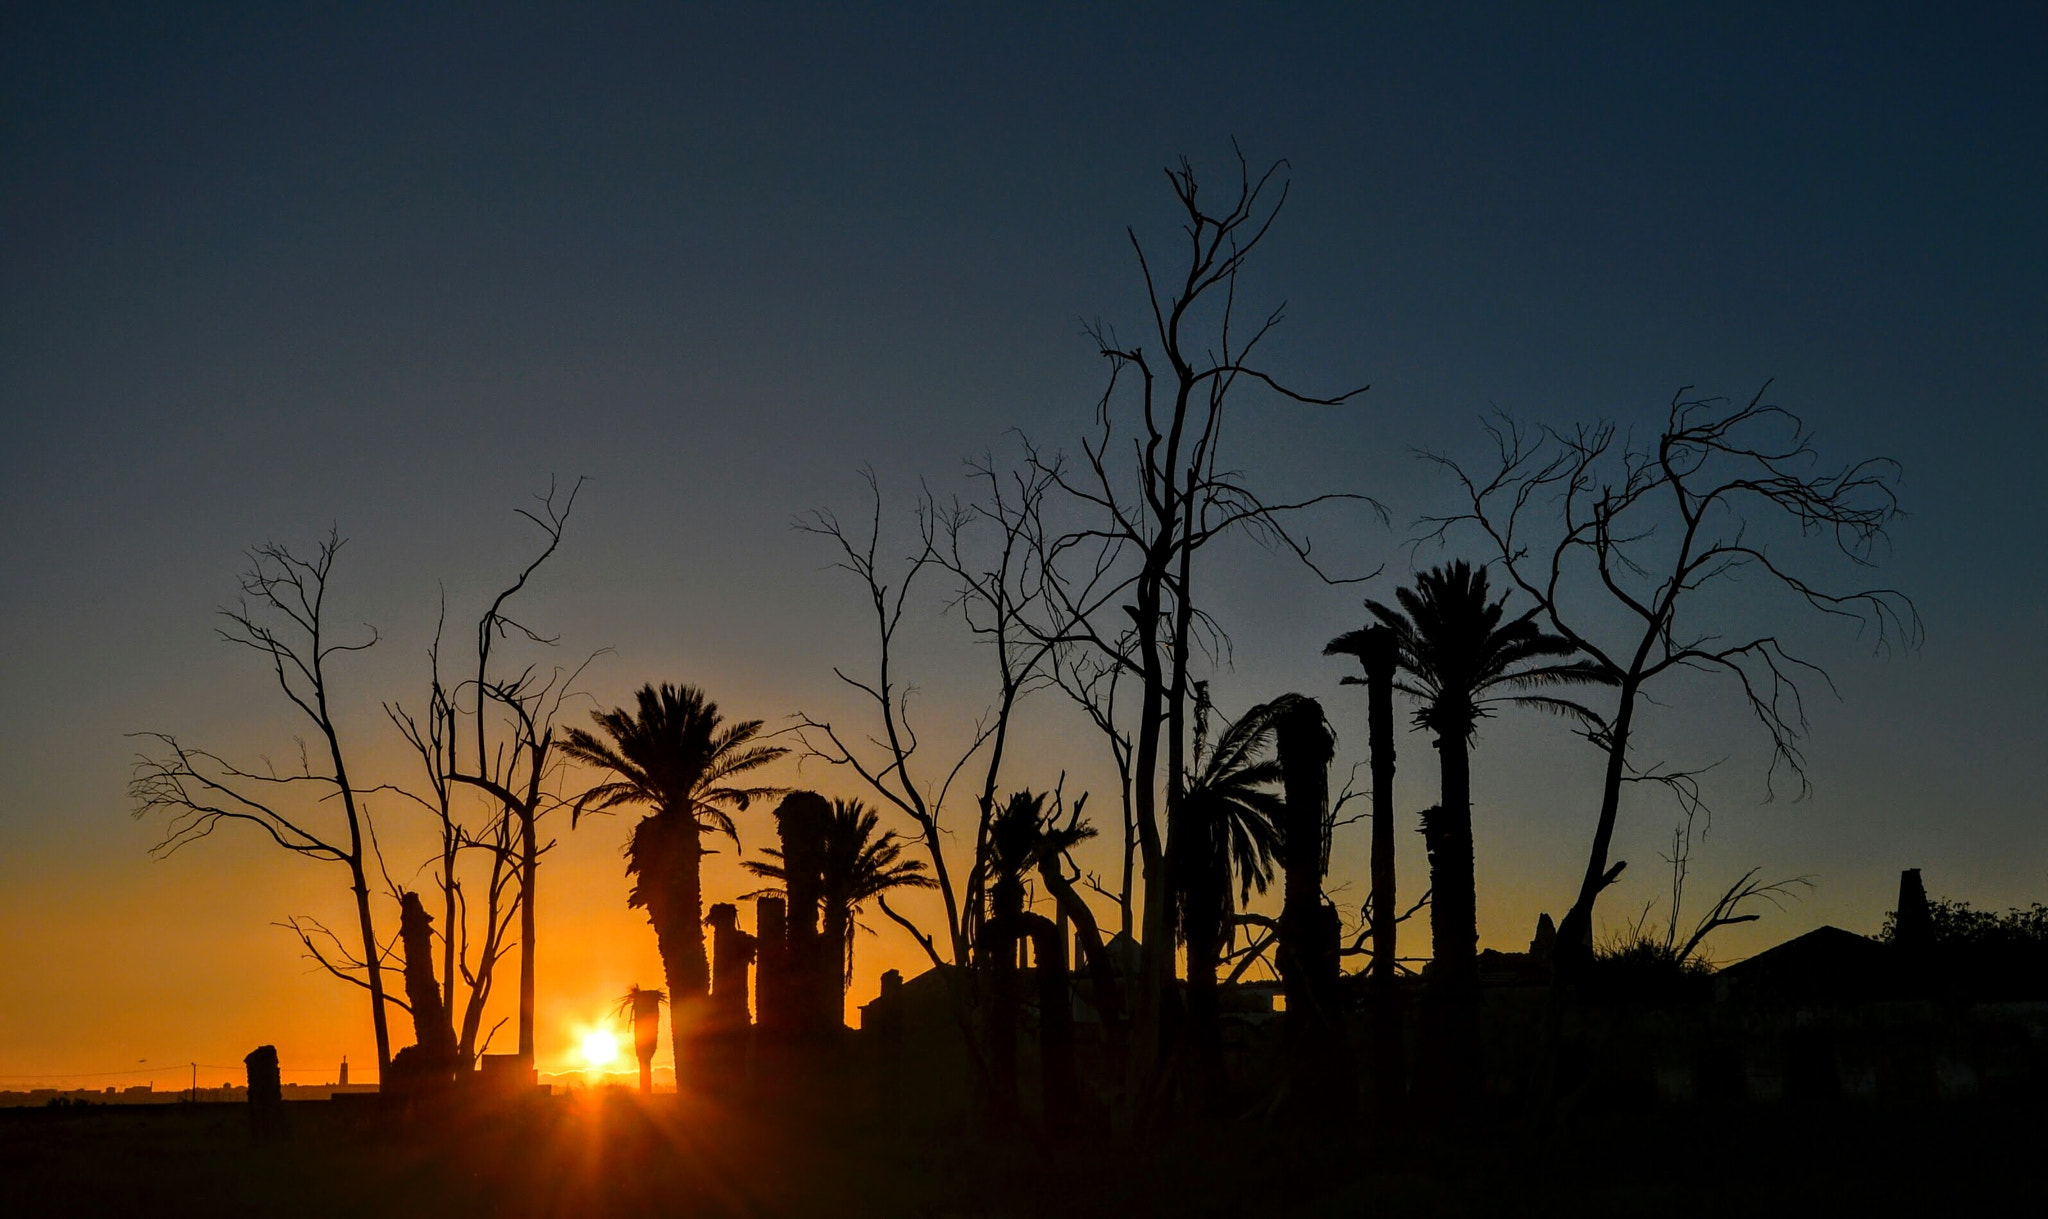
616	1157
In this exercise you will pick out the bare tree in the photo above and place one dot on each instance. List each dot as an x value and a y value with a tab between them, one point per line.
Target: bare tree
472	958
1599	530
511	717
282	615
1150	492
981	548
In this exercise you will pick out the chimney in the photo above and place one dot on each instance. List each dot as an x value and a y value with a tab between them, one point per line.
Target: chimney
1912	922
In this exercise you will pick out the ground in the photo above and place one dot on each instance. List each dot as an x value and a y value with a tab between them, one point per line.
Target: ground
614	1156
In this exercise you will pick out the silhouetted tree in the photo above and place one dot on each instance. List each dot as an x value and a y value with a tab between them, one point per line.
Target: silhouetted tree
1310	933
1152	491
858	867
1228	829
675	754
803	820
732	953
1375	649
643	1007
282	616
512	726
1599	531
984	548
493	734
1462	657
1021	836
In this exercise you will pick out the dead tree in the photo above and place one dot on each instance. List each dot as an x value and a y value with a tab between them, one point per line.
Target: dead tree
986	576
511	725
470	958
1599	530
1149	493
282	616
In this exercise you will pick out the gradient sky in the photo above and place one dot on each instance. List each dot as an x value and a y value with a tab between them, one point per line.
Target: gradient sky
263	269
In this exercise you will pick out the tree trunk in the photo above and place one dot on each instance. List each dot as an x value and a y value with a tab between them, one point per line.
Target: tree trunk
802	820
1307	954
448	934
1452	1033
1060	1086
371	952
1379	657
724	1048
1155	981
422	993
646	1035
1453	914
689	979
1574	951
1106	985
673	945
998	950
529	863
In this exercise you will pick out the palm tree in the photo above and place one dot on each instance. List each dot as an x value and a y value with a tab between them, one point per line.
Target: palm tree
1022	837
675	754
643	1007
857	868
1019	836
1375	651
1232	816
1461	657
1226	834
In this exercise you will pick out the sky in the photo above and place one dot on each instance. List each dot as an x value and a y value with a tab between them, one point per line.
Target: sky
270	269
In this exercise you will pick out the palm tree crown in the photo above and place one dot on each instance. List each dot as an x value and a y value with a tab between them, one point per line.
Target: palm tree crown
672	752
1462	656
1020	837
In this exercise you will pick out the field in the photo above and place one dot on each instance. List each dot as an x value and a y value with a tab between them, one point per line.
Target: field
612	1156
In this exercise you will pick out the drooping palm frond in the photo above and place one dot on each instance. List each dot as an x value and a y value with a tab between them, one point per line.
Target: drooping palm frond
629	1002
1236	812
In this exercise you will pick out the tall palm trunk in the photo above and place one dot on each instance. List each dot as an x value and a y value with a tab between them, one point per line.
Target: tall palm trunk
1452	1035
1380	656
834	942
529	863
669	858
1453	915
1006	898
689	977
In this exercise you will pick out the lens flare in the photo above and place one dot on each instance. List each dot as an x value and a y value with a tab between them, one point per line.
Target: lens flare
600	1048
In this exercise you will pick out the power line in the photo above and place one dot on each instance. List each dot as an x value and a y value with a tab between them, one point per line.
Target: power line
170	1067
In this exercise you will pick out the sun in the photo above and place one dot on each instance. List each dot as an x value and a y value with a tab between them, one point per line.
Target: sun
600	1048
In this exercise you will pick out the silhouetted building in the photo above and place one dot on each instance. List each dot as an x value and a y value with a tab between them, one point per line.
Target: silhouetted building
1826	965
